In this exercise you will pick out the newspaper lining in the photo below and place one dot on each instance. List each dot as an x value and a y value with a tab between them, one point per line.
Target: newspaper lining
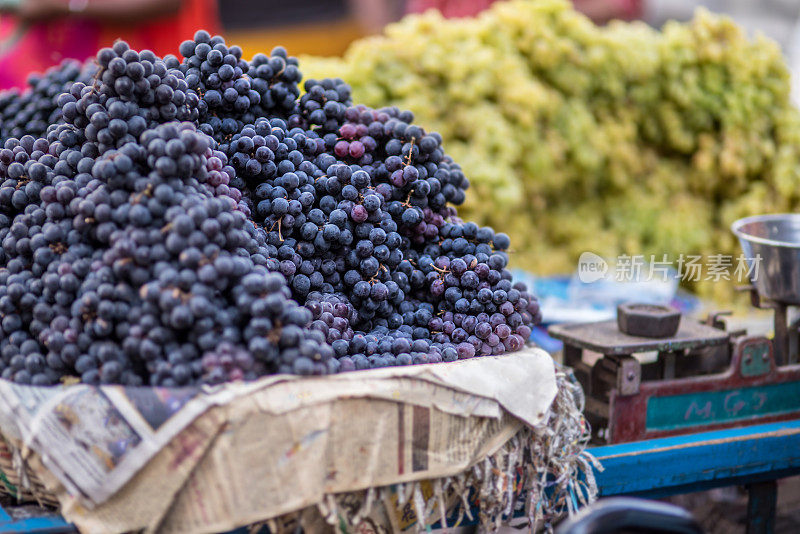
192	460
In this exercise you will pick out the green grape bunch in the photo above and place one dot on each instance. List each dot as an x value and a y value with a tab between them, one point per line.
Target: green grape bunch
618	139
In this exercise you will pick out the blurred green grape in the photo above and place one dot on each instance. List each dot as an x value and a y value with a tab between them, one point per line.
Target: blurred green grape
616	139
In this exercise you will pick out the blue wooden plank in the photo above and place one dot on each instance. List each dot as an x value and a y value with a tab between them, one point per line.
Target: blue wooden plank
38	525
4	515
700	461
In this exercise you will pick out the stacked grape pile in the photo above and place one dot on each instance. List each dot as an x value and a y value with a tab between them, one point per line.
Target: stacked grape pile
197	221
618	139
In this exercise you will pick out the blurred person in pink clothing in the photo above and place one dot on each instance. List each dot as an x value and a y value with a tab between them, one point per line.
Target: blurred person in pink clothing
37	34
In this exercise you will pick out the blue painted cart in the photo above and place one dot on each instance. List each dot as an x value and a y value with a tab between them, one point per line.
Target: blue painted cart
755	456
696	462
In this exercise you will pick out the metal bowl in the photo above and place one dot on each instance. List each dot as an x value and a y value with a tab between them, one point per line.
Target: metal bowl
776	240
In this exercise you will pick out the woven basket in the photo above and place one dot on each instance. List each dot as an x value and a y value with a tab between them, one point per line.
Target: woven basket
19	481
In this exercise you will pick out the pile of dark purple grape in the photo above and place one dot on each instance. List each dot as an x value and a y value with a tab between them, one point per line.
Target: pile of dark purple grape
177	222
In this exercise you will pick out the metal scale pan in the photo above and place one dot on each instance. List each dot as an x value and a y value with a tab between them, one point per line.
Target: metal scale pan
775	241
772	245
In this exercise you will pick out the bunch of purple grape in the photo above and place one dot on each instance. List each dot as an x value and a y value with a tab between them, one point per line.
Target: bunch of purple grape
34	110
198	221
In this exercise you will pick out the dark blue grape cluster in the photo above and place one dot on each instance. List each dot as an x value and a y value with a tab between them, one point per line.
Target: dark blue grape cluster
235	92
197	221
139	270
322	106
32	111
134	91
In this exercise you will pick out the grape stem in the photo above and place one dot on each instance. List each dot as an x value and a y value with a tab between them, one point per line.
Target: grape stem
278	224
410	151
